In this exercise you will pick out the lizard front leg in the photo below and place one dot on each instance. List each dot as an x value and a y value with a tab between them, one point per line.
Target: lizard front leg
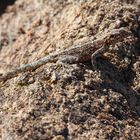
96	54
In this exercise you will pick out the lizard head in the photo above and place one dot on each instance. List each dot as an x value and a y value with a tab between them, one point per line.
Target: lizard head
117	35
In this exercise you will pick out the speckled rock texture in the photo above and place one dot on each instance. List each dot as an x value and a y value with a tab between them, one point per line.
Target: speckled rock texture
71	101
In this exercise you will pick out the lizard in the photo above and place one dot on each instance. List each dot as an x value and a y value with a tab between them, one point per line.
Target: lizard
76	53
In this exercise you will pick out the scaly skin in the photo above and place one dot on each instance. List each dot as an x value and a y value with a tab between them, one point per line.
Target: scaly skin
77	53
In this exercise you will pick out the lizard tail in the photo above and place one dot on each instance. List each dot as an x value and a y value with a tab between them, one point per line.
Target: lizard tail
27	67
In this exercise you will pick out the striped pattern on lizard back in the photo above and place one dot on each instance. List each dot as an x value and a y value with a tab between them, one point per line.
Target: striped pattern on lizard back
84	51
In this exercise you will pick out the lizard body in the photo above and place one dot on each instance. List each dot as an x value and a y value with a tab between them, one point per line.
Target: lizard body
76	53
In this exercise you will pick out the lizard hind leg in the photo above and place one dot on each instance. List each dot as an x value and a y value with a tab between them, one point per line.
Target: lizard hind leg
67	59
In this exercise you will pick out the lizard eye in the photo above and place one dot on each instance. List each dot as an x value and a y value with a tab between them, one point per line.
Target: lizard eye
112	36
